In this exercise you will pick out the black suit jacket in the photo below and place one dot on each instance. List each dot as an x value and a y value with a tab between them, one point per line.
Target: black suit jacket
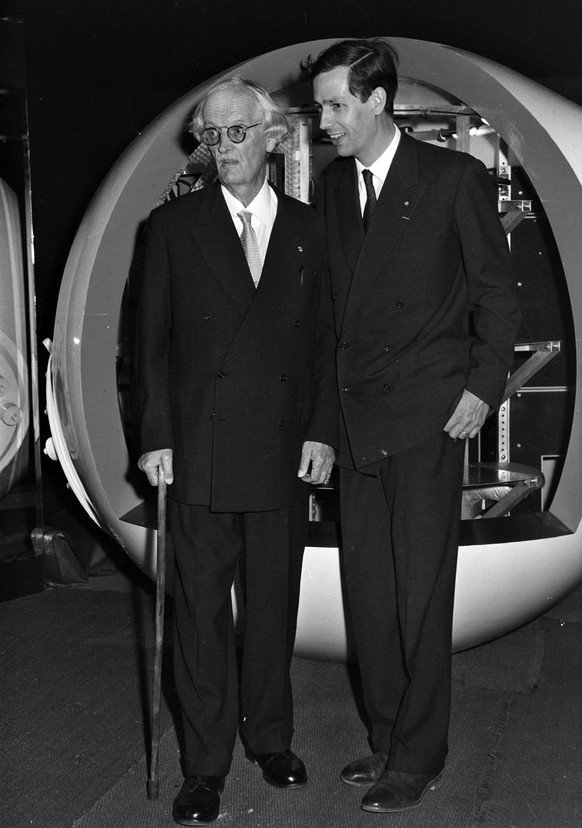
231	378
435	250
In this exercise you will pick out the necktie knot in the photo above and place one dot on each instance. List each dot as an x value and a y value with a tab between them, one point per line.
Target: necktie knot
250	245
370	197
245	217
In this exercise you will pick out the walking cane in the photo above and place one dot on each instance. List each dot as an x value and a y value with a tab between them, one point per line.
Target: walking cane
153	785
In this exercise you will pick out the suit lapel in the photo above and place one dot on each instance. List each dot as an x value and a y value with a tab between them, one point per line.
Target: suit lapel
220	245
282	263
393	212
349	215
281	260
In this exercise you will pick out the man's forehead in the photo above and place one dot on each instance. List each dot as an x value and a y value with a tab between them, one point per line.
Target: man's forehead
332	86
235	106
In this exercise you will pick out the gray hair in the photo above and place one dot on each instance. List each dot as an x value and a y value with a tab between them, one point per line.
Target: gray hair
274	121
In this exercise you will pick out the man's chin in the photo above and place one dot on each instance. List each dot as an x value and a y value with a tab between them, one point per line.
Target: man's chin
342	149
228	178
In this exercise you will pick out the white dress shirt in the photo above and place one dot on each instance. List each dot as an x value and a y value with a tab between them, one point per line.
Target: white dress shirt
264	211
379	169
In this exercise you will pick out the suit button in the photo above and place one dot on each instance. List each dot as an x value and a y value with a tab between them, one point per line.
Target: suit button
283	377
333	297
213	417
297	323
220	374
399	304
346	389
387	387
281	423
387	349
343	346
206	317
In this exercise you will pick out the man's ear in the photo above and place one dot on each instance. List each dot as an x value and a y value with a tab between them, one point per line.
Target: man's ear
271	144
378	100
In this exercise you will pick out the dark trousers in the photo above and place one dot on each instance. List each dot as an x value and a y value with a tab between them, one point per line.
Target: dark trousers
400	540
208	547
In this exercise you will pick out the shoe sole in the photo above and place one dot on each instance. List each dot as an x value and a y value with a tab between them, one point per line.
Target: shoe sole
194	823
284	787
432	786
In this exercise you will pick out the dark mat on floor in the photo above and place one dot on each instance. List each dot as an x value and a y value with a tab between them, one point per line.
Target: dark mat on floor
74	667
73	672
537	777
328	733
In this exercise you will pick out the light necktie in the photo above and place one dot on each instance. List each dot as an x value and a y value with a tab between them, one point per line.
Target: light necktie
370	198
251	246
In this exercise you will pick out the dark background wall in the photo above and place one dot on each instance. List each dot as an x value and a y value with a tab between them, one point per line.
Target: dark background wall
98	71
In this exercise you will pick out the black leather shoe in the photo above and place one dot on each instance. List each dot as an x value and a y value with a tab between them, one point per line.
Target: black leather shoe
198	802
366	771
399	791
283	770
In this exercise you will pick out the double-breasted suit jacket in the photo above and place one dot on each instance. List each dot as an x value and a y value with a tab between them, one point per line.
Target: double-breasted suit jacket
233	379
408	346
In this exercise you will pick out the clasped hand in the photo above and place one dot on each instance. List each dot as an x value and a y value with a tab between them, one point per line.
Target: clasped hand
152	460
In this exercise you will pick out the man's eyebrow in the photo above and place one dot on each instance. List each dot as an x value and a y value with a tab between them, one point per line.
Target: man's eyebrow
336	99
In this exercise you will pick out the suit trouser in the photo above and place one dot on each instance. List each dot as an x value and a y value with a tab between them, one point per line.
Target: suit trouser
400	541
208	547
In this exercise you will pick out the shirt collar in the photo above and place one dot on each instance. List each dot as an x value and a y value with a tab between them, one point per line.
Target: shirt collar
263	205
382	164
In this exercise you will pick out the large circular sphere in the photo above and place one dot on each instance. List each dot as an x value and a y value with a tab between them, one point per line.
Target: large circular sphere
500	585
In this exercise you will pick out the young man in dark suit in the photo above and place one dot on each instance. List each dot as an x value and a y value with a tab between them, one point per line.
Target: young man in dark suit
238	405
415	244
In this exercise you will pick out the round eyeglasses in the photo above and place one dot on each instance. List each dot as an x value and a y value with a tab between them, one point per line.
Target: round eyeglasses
237	133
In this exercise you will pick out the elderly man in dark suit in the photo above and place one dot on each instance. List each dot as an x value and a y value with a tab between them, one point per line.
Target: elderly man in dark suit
426	322
237	404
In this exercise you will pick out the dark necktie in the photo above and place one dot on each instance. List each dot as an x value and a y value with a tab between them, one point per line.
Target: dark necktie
370	198
251	246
